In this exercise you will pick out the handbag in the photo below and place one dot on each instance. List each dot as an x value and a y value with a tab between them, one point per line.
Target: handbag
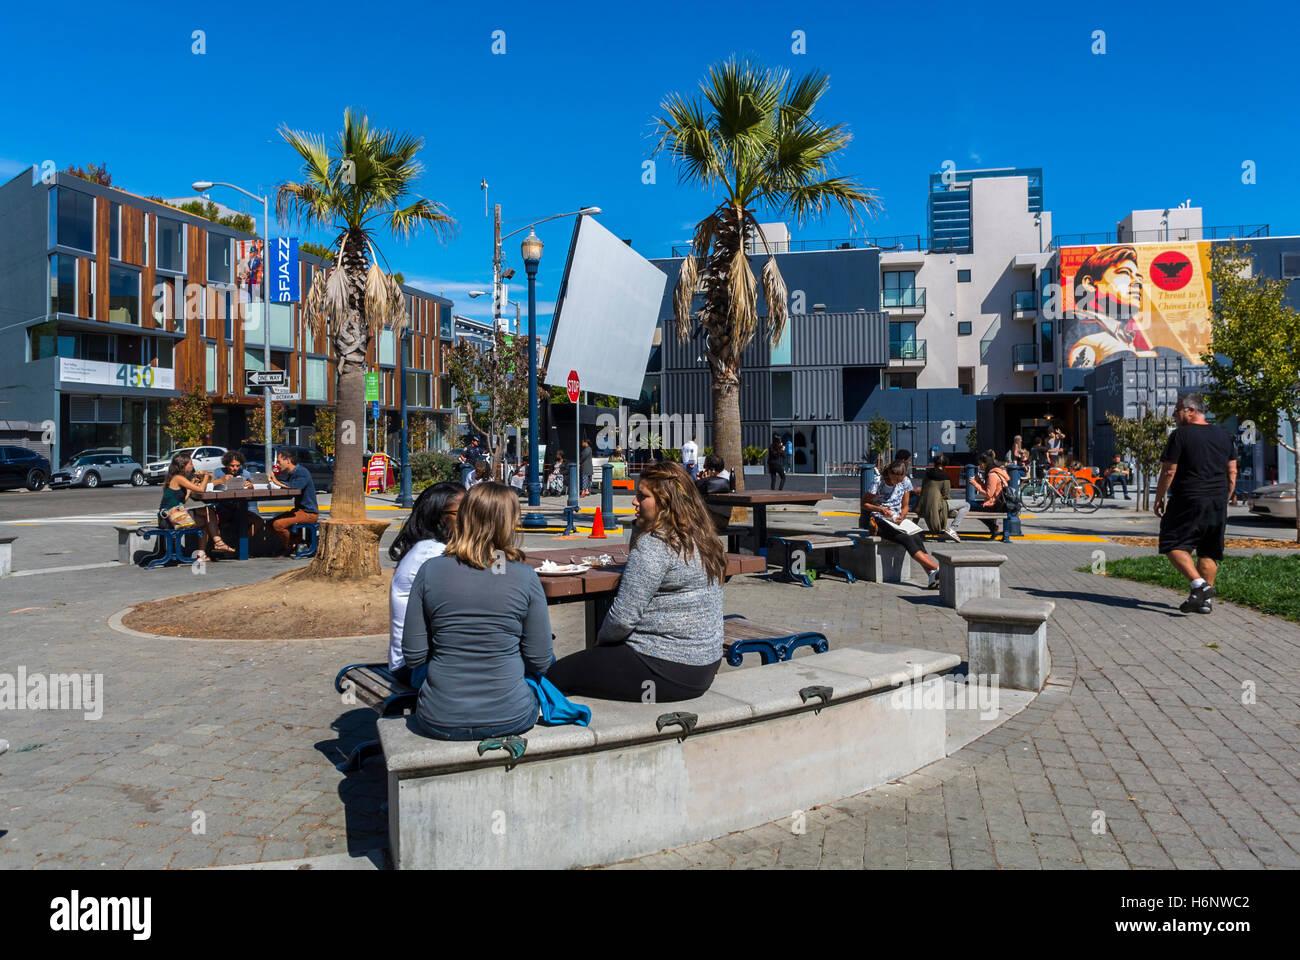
179	517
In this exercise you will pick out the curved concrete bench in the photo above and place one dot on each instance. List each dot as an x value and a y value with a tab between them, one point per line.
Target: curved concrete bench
966	574
765	743
1009	638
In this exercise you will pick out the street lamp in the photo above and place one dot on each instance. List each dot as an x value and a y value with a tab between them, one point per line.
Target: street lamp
202	186
531	249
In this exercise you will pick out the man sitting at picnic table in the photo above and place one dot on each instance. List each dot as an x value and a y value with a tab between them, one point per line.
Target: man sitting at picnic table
304	510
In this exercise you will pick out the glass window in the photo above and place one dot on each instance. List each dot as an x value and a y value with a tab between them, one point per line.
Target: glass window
230	328
63	284
178	313
903	380
444	322
253	360
315	380
210	367
282	324
115	231
73	217
162	291
220	267
386	350
230	369
164	351
902	332
123	295
963	328
782	396
1047	351
780	354
963	276
1049	382
171	245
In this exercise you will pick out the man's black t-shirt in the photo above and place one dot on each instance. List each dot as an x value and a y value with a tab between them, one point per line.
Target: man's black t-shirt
1202	453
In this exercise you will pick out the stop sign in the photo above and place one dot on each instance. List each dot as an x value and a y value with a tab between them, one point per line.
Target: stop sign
573	386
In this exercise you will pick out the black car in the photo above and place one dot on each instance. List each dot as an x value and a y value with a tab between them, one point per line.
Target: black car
321	470
20	467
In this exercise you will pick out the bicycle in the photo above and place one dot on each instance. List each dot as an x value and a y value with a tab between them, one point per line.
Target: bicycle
1044	493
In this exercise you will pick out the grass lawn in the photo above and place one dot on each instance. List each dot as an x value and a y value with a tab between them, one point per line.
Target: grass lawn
1266	583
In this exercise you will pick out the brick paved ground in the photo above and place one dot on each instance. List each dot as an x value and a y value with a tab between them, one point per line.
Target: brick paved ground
1150	730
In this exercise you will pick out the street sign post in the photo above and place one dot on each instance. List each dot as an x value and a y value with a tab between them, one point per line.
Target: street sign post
574	384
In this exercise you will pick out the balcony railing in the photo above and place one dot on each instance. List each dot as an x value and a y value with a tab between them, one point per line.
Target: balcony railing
903	298
1024	354
1023	300
1242	231
903	242
907	350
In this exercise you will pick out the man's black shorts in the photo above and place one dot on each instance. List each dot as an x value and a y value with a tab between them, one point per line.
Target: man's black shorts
1196	526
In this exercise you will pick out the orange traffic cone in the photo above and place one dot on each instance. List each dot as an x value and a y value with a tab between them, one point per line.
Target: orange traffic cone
597	528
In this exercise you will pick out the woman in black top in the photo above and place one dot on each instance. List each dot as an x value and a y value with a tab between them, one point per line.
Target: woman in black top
776	461
180	482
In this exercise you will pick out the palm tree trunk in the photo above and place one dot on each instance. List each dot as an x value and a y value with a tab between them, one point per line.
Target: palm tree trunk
726	427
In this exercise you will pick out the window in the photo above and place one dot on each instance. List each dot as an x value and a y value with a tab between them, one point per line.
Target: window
220	268
782	396
1049	383
904	380
230	369
963	276
315	380
162	290
386	354
282	324
163	349
408	351
210	367
72	219
123	295
1046	350
444	391
115	231
963	328
253	360
63	284
230	328
900	289
444	322
171	245
178	311
781	354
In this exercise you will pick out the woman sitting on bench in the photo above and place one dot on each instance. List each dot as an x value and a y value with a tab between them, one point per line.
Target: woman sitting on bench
423	536
662	638
477	617
888	498
180	482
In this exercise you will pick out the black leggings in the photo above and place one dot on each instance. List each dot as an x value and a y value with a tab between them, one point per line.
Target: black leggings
774	468
617	672
911	541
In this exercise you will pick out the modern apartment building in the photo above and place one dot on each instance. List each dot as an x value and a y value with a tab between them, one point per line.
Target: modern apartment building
970	325
112	304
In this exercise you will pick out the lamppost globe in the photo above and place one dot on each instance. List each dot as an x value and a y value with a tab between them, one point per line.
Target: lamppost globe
589	211
531	248
201	186
475	294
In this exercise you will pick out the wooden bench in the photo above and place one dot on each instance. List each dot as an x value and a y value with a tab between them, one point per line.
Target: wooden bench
966	575
1008	638
797	556
374	685
308	547
772	644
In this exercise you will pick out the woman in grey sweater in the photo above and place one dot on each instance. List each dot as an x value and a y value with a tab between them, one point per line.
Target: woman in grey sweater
662	638
477	616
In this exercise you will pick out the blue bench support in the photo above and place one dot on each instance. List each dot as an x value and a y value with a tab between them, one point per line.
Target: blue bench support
807	544
741	636
173	544
374	685
571	519
308	548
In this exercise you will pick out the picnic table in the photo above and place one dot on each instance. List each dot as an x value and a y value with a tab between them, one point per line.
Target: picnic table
759	501
215	497
597	587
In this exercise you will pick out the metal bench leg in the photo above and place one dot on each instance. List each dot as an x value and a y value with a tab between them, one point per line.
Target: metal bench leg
764	648
359	755
833	557
165	542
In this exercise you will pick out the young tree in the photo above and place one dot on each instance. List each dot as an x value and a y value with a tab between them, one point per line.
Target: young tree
95	174
362	185
1253	359
880	438
324	430
257	425
492	385
189	419
1141	442
755	139
419	428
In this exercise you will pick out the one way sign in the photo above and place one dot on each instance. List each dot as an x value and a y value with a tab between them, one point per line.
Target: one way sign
264	378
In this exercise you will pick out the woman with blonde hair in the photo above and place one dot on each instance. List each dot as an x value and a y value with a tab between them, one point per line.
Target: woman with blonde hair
662	637
477	618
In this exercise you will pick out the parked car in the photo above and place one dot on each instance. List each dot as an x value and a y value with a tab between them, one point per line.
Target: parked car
99	469
20	467
91	451
1273	500
321	470
205	458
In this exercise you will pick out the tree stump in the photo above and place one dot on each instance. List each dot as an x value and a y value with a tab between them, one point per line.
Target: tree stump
347	550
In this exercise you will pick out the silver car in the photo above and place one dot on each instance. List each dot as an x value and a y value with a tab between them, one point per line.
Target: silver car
99	469
204	458
1274	500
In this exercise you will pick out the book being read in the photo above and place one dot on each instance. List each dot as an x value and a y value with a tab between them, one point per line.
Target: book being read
906	526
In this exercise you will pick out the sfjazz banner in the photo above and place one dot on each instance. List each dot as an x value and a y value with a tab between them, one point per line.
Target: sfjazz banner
1144	299
284	270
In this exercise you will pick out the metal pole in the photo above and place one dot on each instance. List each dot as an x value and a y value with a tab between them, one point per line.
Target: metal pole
534	517
266	328
577	431
404	494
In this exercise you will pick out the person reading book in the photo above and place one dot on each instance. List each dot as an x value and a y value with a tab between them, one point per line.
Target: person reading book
886	503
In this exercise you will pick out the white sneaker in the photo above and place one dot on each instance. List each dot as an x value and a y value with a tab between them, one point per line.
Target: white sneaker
952	534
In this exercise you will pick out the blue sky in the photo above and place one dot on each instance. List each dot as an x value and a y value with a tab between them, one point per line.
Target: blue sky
1183	95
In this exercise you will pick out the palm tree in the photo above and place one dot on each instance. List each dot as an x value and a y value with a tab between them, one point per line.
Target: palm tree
363	183
755	137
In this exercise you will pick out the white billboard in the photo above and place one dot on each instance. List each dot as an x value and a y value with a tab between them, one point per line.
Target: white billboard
116	374
604	319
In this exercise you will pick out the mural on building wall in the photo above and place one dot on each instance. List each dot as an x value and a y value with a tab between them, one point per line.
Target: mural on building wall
1142	299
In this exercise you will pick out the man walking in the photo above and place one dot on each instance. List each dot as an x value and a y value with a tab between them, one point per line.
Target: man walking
1199	471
